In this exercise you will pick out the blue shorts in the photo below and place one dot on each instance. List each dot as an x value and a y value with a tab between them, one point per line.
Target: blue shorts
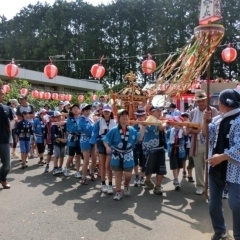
24	146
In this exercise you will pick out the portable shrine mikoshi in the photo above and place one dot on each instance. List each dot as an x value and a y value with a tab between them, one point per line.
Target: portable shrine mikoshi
130	97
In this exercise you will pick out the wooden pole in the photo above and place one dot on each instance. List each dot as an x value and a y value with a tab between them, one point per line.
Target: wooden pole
208	109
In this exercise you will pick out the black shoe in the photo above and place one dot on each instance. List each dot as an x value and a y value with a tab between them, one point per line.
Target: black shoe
190	179
222	236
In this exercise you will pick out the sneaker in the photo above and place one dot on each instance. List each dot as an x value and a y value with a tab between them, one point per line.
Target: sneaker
66	172
31	157
104	188
176	184
190	179
110	189
14	155
149	184
199	191
225	194
136	182
47	168
55	171
158	190
77	175
118	196
60	170
24	165
184	174
219	236
142	182
92	177
84	181
126	190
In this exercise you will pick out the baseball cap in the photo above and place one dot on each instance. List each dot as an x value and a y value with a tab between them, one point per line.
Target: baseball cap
85	106
25	112
122	111
154	108
185	114
65	103
50	113
107	108
56	114
14	101
22	96
42	111
140	112
167	104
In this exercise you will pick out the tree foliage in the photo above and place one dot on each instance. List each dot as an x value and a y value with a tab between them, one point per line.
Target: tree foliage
124	31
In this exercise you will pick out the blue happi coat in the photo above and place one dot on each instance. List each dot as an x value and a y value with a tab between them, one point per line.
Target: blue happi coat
39	129
73	132
114	140
85	127
181	143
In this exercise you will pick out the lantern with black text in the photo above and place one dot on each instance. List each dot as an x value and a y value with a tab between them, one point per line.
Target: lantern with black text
6	88
229	54
35	94
50	71
47	95
11	69
80	98
54	96
148	66
24	91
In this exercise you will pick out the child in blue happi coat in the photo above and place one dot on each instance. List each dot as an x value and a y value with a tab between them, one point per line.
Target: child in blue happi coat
24	130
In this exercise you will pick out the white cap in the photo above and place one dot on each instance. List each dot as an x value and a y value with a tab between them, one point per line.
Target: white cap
56	114
65	103
167	104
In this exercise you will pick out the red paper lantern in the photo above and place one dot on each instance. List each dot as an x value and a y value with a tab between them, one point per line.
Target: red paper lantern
11	70
61	97
50	71
35	94
47	95
148	66
24	91
54	96
6	88
80	98
229	54
68	97
94	97
97	71
41	95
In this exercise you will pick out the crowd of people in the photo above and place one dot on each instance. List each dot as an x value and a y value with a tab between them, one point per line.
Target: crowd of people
94	139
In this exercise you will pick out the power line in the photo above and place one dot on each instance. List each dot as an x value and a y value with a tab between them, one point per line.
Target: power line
96	59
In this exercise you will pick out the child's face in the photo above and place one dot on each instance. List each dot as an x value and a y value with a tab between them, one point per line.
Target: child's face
185	118
26	116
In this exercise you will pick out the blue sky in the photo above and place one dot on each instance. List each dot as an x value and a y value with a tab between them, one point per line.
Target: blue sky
12	7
